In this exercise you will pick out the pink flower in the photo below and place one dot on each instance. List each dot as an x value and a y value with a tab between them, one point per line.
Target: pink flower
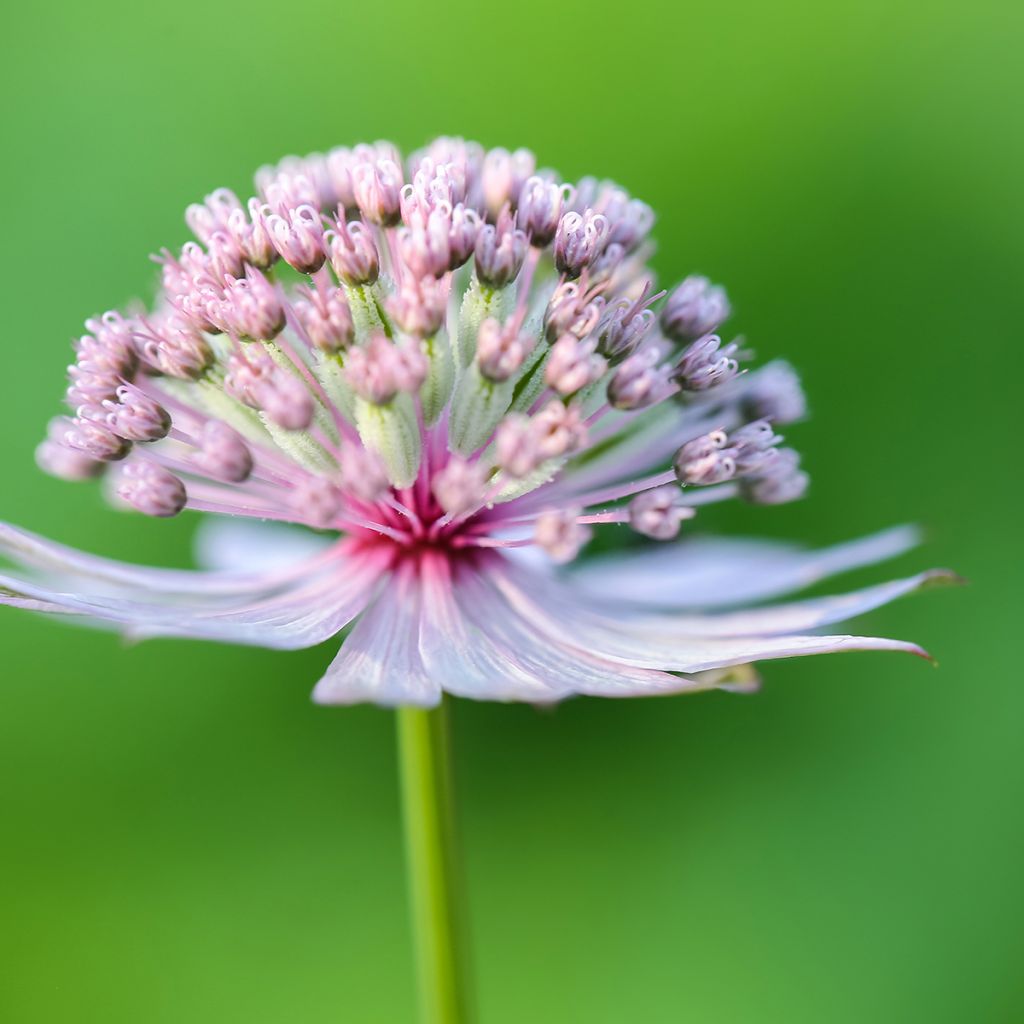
437	444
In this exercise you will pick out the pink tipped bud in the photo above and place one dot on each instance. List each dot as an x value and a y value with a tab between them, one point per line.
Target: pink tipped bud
629	220
316	500
326	318
298	237
694	309
339	163
642	380
658	513
460	486
424	247
540	209
706	460
559	429
95	440
573	364
362	474
53	455
503	177
381	369
111	349
572	311
500	351
516	448
500	251
223	454
88	388
706	364
579	241
251	307
462	235
251	236
377	186
213	214
353	253
419	306
172	345
135	416
560	535
257	381
151	489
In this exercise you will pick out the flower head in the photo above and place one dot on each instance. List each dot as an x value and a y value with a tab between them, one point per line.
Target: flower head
474	365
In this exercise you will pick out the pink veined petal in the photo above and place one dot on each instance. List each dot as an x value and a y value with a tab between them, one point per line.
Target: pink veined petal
380	660
322	596
541	653
463	655
555	613
710	572
29	550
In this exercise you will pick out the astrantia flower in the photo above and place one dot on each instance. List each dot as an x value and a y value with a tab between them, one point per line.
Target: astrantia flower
455	370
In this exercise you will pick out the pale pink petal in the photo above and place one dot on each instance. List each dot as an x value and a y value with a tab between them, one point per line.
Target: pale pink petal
465	656
552	609
380	660
708	572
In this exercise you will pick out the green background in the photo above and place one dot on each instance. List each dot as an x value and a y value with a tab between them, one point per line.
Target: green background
186	838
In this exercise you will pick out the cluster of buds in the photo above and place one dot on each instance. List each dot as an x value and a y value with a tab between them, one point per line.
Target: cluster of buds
470	336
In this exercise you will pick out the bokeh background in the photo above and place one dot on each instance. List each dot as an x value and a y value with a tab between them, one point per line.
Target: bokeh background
186	838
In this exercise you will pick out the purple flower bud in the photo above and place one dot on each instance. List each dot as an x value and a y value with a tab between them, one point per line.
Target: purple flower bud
540	209
579	241
503	177
641	380
223	454
251	236
288	185
353	253
517	451
777	483
623	327
573	364
55	457
252	308
299	237
317	500
705	460
560	429
500	351
377	187
135	416
380	370
705	364
88	388
257	381
629	220
500	251
425	247
95	440
658	513
111	348
326	318
213	214
694	309
171	345
560	535
152	489
340	162
460	486
419	306
462	235
572	310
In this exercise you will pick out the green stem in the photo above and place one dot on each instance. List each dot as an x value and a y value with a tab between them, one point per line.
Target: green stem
424	754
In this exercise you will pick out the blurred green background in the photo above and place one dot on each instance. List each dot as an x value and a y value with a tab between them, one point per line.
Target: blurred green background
186	838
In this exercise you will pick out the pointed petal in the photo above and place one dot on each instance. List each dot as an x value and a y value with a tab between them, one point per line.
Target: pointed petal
553	610
707	572
380	659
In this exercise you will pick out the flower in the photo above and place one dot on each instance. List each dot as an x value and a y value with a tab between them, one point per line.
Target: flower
472	377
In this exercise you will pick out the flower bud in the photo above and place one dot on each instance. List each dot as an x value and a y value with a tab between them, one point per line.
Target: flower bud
152	489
